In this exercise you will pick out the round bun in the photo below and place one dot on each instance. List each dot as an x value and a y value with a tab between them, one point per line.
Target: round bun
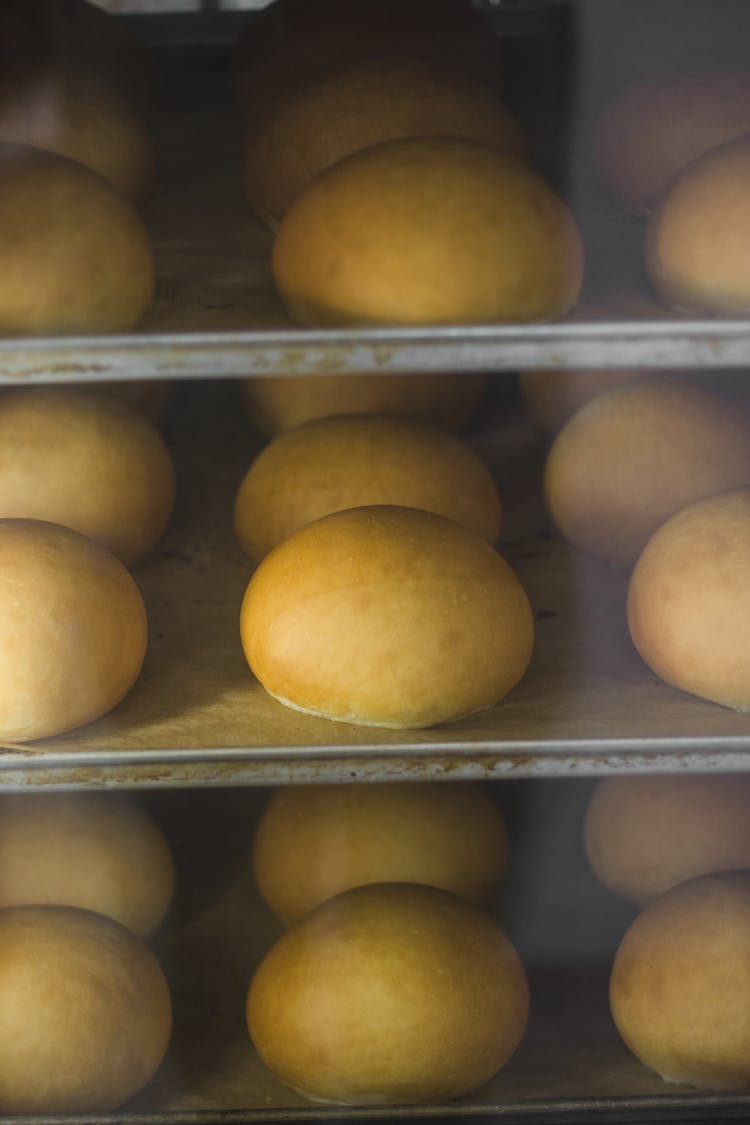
350	461
89	462
680	983
290	40
77	256
448	399
72	630
82	117
390	993
646	834
85	1011
314	841
386	616
657	126
631	458
552	397
99	851
693	256
361	102
689	600
427	231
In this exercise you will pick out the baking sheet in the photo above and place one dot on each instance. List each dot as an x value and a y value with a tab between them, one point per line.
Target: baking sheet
196	715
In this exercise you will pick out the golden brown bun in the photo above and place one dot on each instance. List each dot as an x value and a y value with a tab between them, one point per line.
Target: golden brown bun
72	630
694	257
361	102
689	600
390	993
448	399
77	36
314	841
645	834
680	983
98	851
427	231
361	459
291	39
86	461
386	616
82	117
629	459
149	397
77	257
552	397
657	126
85	1011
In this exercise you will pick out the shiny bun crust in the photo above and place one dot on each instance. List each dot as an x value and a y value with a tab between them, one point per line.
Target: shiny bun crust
629	459
358	103
657	126
386	616
427	231
330	464
644	835
693	256
89	462
314	841
392	993
291	39
77	256
72	630
85	1012
448	399
689	600
680	983
97	851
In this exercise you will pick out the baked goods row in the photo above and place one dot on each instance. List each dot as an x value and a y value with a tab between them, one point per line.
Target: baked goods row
386	977
377	589
378	146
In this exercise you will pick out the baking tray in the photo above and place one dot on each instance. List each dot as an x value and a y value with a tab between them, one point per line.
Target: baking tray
216	312
196	716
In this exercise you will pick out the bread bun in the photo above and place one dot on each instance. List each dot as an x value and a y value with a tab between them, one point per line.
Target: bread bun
72	630
86	461
386	616
631	458
77	257
693	256
82	117
314	841
448	399
680	983
427	231
689	600
99	851
341	109
291	39
85	1012
389	994
350	461
552	397
645	834
652	130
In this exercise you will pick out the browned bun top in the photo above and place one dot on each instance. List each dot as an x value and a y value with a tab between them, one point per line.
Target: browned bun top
277	403
349	461
386	616
657	126
680	983
77	257
430	230
359	102
694	254
391	993
290	39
